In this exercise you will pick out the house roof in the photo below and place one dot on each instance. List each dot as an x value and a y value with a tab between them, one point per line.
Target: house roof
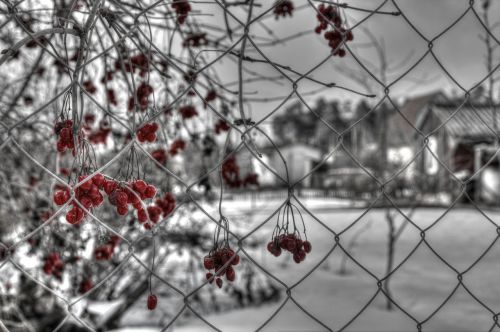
402	130
468	121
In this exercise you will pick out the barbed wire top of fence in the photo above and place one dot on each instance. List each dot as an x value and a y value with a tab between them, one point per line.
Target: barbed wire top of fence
124	125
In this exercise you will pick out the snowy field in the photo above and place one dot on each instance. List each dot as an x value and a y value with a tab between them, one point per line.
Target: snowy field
419	286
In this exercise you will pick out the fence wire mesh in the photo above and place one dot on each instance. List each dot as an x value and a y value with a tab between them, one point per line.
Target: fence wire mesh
82	40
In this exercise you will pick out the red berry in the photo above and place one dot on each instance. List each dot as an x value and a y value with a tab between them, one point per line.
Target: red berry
218	281
75	215
99	180
139	186
150	191
86	202
307	246
61	197
208	263
296	258
87	185
122	210
208	276
142	215
152	301
109	186
230	274
121	198
235	260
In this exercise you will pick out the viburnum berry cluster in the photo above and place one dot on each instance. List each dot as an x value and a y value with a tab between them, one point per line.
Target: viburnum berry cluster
132	194
221	126
166	204
188	111
284	238
211	96
110	94
142	93
139	61
283	8
177	145
338	34
89	86
231	174
64	131
291	243
85	286
105	251
182	9
53	265
121	195
147	133
160	155
215	261
221	260
87	194
99	135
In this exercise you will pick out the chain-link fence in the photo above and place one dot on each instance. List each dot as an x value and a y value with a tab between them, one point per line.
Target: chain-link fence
161	64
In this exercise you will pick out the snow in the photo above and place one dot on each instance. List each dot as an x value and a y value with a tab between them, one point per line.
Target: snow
419	286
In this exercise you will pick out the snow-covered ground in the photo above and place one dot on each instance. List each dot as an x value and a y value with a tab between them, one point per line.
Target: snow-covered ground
419	286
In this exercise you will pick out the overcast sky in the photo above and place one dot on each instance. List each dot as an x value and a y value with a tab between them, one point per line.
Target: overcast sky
460	50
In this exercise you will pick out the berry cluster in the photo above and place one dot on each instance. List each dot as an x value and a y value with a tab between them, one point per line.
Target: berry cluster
231	174
190	77
85	286
177	145
161	208
182	9
195	40
336	36
53	265
105	252
284	238
64	131
88	120
188	111
291	243
166	204
110	94
121	197
283	8
147	133
108	76
88	194
211	95
221	126
160	155
216	259
252	179
89	87
99	135
142	92
139	61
